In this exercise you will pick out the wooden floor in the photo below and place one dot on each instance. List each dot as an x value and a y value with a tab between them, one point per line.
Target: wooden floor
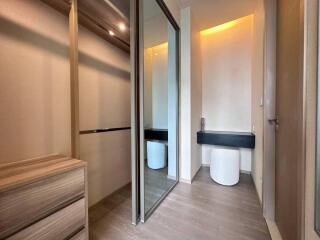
201	211
157	184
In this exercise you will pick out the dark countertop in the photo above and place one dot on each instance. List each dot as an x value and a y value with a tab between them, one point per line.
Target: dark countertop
156	134
226	138
227	133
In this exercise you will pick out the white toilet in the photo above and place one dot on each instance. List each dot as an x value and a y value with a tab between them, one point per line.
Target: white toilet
156	154
225	166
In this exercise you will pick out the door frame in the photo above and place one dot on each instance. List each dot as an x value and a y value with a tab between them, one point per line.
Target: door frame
269	141
269	112
137	108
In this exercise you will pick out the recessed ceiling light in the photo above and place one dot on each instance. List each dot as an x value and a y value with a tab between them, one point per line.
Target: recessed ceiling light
111	33
122	27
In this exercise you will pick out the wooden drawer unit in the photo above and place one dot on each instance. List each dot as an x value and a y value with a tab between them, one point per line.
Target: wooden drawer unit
43	198
60	225
82	235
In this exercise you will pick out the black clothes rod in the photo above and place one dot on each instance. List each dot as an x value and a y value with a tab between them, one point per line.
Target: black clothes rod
103	130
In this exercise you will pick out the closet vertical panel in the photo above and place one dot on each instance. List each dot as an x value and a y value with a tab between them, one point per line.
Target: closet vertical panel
74	78
74	98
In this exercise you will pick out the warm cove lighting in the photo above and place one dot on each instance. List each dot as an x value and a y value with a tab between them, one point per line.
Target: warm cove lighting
155	50
160	46
224	26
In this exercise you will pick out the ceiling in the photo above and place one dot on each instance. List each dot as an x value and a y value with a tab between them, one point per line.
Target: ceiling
107	14
210	13
151	10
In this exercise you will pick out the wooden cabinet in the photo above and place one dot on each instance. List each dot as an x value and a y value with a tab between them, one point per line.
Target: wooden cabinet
80	235
43	198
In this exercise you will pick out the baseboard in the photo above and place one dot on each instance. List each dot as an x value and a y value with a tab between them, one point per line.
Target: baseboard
172	177
190	181
274	231
194	175
185	181
245	172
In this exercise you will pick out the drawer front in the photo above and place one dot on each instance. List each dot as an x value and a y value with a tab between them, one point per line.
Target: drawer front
82	235
25	205
58	226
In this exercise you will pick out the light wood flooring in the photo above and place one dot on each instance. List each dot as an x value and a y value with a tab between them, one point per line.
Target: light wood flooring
201	211
157	184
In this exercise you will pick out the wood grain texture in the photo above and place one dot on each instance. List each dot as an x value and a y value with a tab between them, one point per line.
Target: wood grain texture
60	225
204	210
16	174
82	235
25	205
33	189
74	79
290	97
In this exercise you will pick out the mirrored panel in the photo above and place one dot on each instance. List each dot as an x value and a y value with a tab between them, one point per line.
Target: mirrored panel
160	104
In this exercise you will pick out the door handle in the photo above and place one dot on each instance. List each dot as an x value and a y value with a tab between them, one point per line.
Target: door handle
274	121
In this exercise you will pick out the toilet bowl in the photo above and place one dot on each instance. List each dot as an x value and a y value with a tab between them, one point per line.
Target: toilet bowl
156	154
225	166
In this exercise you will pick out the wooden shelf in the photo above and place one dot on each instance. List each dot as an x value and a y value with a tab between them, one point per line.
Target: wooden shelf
13	175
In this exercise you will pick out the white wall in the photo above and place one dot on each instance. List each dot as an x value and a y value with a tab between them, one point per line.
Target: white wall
227	81
104	81
34	86
148	56
196	95
257	94
190	104
160	88
185	96
156	87
173	104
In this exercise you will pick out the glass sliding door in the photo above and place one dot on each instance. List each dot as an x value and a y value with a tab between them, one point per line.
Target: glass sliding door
159	104
154	105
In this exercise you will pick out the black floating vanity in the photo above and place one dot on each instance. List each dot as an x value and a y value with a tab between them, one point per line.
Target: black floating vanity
227	139
156	134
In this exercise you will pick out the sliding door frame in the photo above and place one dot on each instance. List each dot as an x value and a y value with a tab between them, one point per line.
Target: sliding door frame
137	109
135	136
145	215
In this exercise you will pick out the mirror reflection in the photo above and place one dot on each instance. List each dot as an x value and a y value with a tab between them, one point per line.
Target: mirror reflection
160	104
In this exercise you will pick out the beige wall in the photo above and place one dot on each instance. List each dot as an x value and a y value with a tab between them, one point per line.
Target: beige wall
226	73
34	86
35	94
227	80
104	80
311	79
